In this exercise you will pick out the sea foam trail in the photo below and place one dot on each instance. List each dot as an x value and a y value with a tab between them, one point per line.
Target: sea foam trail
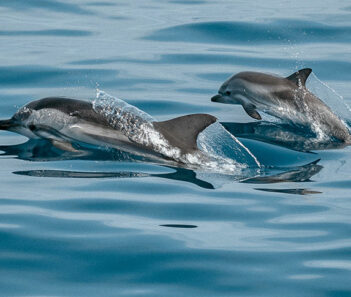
219	150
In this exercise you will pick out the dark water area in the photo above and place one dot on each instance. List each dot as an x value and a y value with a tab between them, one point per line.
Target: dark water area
108	223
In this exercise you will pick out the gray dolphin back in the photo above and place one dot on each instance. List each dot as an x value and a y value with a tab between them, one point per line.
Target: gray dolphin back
73	107
182	132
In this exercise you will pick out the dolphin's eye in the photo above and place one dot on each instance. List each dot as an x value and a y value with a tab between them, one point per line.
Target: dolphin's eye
227	93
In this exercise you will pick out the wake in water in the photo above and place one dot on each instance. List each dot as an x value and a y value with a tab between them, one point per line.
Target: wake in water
219	151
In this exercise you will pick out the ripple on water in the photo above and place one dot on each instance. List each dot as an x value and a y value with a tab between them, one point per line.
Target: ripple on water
52	32
35	76
52	6
110	224
279	31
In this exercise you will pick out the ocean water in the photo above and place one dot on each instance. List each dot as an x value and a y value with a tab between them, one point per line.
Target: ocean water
109	224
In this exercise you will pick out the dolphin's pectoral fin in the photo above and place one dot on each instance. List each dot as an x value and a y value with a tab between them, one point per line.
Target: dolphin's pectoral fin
300	77
182	132
64	146
251	111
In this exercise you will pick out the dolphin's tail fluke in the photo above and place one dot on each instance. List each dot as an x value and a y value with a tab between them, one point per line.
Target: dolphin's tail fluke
6	124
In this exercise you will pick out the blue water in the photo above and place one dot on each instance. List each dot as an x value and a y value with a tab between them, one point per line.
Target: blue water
104	224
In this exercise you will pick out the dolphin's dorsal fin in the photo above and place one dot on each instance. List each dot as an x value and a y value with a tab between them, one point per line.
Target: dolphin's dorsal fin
300	77
182	132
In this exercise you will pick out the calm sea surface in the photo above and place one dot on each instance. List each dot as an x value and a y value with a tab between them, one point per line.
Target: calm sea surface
102	225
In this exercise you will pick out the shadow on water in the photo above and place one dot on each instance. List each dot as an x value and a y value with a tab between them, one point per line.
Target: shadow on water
282	134
299	191
44	151
179	226
180	174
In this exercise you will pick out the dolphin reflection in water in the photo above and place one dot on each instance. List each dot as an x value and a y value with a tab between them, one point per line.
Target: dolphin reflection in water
282	134
39	150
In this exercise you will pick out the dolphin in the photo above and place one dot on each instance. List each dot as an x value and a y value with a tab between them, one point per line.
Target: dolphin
285	98
65	121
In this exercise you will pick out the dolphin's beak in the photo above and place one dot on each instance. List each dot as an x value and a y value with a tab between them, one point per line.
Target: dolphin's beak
216	98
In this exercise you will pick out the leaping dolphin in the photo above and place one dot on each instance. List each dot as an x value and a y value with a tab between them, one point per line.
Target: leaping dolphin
65	121
285	98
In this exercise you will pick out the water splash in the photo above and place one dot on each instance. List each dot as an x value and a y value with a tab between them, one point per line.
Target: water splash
216	140
219	150
317	123
134	123
330	97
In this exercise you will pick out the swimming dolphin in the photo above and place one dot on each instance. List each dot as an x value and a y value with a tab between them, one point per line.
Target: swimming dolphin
285	98
65	121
